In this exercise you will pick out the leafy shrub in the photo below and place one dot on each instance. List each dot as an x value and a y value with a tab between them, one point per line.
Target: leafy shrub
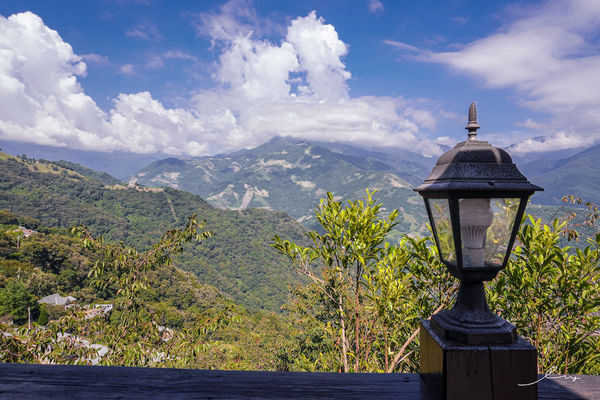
361	312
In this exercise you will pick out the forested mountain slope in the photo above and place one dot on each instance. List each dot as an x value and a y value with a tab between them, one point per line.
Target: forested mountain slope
37	261
237	260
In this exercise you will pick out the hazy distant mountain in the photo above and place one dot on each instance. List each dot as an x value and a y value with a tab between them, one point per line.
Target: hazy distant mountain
410	166
576	174
293	175
119	164
530	157
559	172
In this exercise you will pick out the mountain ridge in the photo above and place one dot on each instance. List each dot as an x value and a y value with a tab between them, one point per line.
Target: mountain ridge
576	174
290	175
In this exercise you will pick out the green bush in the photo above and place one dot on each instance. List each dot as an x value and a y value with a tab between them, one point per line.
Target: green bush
15	301
43	318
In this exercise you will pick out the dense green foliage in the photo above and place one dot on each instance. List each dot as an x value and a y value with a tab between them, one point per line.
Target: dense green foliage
17	302
239	261
161	316
362	312
553	296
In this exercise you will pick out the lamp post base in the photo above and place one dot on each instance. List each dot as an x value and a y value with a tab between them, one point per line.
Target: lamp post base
471	321
493	330
453	370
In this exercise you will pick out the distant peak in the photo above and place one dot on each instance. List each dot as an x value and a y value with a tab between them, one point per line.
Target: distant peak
275	139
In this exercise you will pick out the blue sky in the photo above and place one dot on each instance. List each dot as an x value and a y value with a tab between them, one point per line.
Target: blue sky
203	77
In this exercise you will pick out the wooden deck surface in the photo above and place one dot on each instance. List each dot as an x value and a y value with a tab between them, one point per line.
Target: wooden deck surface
27	381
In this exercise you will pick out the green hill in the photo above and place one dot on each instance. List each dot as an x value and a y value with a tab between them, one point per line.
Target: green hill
116	163
238	260
51	260
102	177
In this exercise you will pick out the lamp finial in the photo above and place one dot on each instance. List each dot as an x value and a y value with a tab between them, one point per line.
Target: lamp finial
472	126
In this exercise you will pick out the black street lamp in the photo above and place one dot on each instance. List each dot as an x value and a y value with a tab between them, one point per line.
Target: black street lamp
475	199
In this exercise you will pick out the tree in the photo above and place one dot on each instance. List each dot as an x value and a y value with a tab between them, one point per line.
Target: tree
365	295
350	245
8	244
132	336
126	269
15	301
47	252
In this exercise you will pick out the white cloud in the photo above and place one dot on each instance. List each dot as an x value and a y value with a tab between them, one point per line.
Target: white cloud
145	30
402	46
549	57
42	101
237	18
180	55
155	62
446	140
531	124
560	140
146	126
293	88
375	6
93	58
257	70
320	51
298	88
127	69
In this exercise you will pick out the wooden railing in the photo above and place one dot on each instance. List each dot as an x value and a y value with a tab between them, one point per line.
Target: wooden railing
29	381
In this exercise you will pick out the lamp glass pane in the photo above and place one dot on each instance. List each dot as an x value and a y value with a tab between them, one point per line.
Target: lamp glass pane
485	227
498	235
440	213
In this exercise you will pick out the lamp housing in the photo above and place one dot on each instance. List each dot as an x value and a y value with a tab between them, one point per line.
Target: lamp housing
475	193
475	199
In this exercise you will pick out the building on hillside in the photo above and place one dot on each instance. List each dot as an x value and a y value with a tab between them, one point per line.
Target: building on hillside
98	309
57	300
26	232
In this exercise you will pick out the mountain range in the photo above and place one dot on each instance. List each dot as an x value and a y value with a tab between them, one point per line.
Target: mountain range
576	175
293	176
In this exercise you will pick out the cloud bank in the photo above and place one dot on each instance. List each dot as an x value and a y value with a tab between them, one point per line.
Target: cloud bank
297	87
548	57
